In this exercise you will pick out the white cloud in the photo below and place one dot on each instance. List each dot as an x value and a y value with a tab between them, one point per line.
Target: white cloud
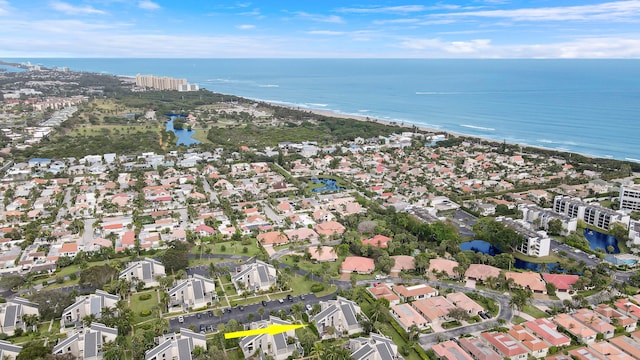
610	11
4	7
396	21
148	5
320	18
401	9
76	10
245	27
325	32
591	47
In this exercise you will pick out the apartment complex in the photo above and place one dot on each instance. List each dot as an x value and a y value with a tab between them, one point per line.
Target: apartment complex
536	243
592	214
164	83
630	198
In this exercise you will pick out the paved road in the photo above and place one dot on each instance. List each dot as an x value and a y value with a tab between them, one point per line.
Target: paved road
212	194
242	316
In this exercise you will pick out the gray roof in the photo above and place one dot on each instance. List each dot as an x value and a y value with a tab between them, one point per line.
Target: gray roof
7	346
64	343
158	350
184	348
146	271
91	342
23	302
349	314
10	315
374	344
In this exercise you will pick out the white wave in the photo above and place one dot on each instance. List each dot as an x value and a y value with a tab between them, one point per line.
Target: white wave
363	111
632	159
478	127
269	86
317	105
545	141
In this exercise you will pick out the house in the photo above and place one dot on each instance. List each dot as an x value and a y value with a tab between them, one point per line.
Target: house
584	353
254	277
617	317
439	266
481	272
462	301
274	345
528	280
88	305
478	349
8	350
547	330
146	270
357	264
628	345
272	238
580	331
562	282
177	346
415	292
407	316
402	263
330	228
322	253
383	291
341	314
375	347
379	241
606	350
505	345
433	308
628	308
449	350
86	343
68	249
536	347
302	234
593	320
11	314
204	230
195	292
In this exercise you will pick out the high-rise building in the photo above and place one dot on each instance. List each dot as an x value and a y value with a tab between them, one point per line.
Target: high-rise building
630	198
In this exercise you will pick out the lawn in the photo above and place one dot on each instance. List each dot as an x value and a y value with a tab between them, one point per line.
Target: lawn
388	330
517	320
334	267
138	305
451	324
537	260
535	312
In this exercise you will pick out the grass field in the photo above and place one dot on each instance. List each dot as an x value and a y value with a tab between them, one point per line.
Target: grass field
534	311
138	305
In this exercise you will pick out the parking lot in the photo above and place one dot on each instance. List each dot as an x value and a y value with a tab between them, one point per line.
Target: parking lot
207	320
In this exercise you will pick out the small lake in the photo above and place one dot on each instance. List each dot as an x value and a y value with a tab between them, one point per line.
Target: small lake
598	240
184	136
484	247
329	185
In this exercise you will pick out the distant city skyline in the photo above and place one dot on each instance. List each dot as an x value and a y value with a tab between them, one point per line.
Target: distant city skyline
320	29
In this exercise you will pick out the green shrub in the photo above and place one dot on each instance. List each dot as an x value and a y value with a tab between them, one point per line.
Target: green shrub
144	297
2	300
73	276
145	313
317	288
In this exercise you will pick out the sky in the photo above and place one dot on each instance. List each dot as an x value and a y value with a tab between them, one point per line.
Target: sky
320	29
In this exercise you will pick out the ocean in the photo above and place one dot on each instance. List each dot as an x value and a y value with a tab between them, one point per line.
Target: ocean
590	107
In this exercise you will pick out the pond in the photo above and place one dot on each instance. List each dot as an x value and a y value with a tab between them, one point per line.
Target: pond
329	185
598	240
184	136
486	248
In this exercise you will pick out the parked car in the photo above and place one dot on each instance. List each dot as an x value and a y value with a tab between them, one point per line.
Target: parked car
210	313
281	300
309	307
198	315
290	298
241	308
264	303
180	319
301	297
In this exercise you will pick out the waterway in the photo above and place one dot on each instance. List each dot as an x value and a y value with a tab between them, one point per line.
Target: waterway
185	137
598	240
329	185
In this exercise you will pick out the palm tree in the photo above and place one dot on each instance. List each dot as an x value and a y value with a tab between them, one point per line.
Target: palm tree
319	350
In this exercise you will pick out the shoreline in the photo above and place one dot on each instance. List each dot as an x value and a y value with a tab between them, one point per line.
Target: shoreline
410	126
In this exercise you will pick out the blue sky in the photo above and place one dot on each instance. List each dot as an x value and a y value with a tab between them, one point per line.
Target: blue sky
320	28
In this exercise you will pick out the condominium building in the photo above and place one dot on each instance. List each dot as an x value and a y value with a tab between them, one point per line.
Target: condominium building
162	82
630	198
536	243
533	213
592	214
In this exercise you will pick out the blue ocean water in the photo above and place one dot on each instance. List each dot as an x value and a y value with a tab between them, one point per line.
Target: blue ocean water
584	106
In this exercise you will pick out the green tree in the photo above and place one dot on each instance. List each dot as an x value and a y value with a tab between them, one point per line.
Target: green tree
554	227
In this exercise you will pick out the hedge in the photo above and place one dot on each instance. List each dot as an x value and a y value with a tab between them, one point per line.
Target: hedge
144	313
317	288
144	297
